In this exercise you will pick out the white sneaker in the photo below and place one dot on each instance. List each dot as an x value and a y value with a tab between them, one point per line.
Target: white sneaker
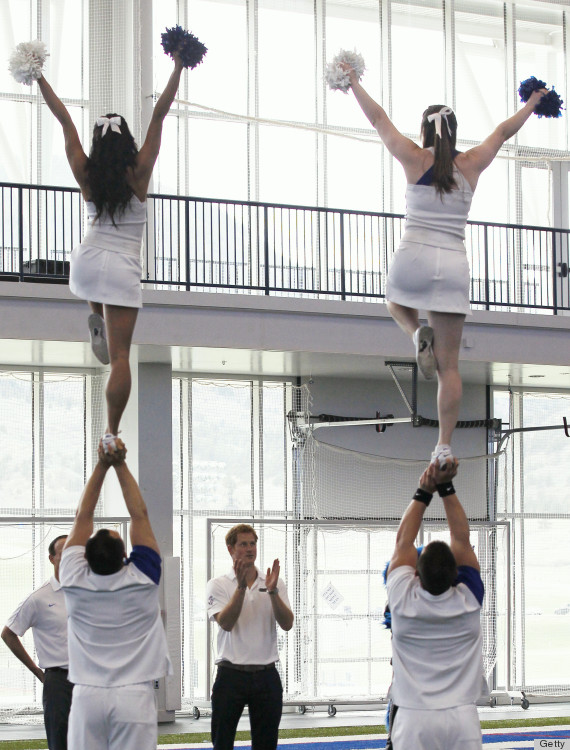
98	338
109	444
423	340
442	454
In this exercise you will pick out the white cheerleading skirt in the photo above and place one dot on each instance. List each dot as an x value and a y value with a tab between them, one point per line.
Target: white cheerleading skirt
431	278
110	277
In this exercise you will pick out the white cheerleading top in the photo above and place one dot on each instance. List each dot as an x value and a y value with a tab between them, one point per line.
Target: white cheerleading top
438	219
116	635
437	654
127	233
44	612
253	639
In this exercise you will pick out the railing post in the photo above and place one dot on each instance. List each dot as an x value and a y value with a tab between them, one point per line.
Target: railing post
266	248
187	237
21	230
342	268
554	275
486	246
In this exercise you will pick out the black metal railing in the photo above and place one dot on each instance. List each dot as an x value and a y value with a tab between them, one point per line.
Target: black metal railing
259	248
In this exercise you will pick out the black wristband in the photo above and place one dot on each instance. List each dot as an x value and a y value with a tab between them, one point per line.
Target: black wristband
446	489
423	496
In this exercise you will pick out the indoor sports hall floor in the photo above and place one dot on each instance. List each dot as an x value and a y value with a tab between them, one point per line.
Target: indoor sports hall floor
500	737
496	739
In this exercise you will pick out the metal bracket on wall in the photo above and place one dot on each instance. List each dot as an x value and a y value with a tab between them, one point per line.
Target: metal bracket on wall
413	368
300	423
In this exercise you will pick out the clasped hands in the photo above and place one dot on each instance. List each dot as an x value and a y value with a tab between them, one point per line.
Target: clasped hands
433	475
114	457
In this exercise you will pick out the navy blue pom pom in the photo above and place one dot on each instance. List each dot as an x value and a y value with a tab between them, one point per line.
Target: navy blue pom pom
189	47
528	86
549	106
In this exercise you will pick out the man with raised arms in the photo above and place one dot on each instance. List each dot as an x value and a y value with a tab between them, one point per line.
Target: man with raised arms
435	603
117	644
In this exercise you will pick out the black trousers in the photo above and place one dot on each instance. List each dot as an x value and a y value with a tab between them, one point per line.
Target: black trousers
261	691
56	699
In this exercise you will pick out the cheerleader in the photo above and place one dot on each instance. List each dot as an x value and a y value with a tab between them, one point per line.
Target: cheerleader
105	269
430	270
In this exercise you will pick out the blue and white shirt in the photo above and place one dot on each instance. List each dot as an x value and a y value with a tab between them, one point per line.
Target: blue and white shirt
116	635
437	654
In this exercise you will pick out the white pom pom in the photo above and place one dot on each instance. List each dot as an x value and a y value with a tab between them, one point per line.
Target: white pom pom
27	60
336	77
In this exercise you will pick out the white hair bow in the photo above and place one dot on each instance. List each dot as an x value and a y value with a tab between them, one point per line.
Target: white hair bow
114	122
443	112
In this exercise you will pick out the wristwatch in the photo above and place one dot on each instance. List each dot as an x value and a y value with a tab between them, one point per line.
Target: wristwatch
273	592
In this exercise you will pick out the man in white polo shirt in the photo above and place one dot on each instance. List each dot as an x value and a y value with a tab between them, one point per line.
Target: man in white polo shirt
247	607
117	645
435	603
44	612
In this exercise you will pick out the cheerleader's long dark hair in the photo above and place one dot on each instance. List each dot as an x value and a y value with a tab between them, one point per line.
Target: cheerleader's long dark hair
110	157
444	148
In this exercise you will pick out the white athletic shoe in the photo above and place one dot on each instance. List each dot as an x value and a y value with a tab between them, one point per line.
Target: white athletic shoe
109	444
98	338
442	454
423	340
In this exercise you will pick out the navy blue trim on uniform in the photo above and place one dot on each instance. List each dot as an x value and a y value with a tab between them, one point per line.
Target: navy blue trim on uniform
472	579
427	177
148	561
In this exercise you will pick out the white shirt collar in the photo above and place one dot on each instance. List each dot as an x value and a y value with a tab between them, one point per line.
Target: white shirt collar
260	577
55	584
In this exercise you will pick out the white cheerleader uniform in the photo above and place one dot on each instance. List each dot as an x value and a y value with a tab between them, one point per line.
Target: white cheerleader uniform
106	267
430	270
437	657
117	649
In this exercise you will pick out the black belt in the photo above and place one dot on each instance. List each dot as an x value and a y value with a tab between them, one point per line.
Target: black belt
246	667
56	669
